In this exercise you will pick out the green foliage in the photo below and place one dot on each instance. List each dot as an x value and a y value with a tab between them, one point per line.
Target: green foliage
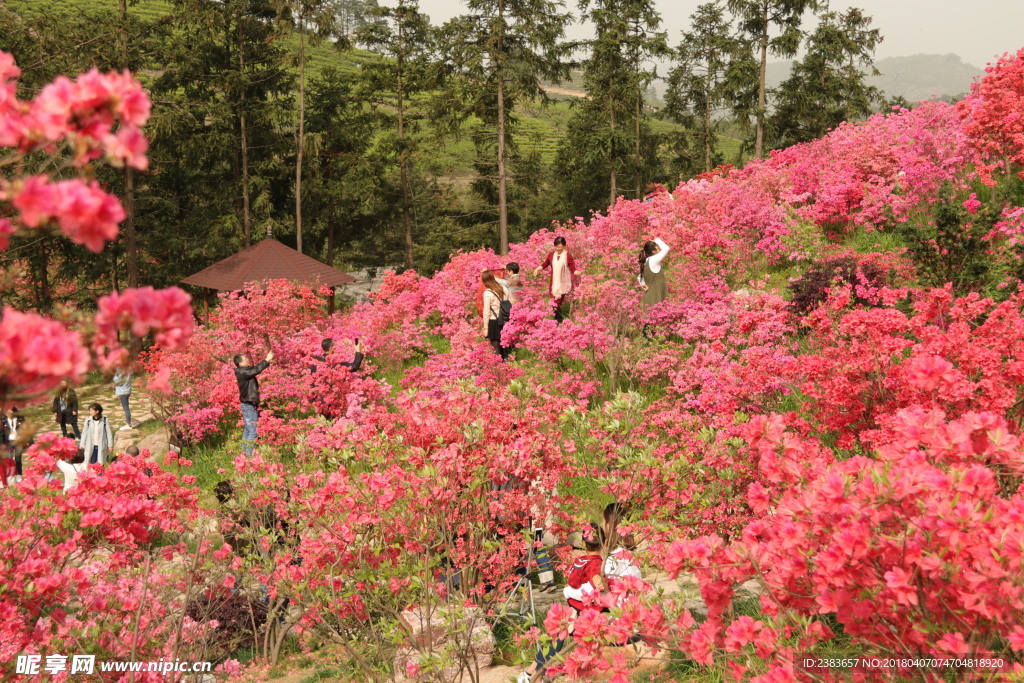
713	71
948	245
771	27
828	86
609	134
500	53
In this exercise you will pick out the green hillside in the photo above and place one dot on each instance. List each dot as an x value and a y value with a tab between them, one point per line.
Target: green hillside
540	129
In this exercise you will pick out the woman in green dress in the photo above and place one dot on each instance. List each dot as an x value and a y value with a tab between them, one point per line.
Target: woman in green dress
652	278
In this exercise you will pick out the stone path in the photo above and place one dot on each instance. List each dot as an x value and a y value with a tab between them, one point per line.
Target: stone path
145	434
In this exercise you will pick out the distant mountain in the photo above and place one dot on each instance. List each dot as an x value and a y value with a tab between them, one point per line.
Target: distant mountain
918	77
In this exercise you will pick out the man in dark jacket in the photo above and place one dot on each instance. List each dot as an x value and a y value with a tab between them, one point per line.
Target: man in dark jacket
328	344
65	409
249	396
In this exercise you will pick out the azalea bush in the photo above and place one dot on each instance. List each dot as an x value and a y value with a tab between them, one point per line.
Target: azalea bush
826	412
107	567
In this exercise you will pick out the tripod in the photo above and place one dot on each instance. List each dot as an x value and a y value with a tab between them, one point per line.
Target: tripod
525	608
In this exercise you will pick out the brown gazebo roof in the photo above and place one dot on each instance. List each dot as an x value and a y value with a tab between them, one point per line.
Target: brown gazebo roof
267	260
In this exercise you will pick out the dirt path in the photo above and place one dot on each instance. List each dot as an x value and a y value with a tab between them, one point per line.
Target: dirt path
149	431
563	91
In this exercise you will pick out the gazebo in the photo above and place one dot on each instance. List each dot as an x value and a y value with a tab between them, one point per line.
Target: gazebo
267	260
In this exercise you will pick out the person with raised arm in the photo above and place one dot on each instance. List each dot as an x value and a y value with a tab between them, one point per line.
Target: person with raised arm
249	396
651	278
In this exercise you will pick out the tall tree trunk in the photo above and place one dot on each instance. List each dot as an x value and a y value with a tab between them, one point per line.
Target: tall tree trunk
707	117
301	140
131	245
330	233
502	179
636	139
243	136
761	86
403	156
613	190
45	296
115	285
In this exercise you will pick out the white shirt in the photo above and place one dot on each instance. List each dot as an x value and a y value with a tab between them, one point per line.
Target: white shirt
654	261
71	473
12	427
617	566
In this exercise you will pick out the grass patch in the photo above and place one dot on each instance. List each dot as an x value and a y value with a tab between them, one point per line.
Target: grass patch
323	675
206	459
878	240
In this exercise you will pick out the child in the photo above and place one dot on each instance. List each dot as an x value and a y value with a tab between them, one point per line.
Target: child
584	578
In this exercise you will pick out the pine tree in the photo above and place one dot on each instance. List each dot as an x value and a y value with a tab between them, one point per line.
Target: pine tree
502	51
757	18
709	76
350	16
402	35
347	197
313	20
223	140
828	86
616	77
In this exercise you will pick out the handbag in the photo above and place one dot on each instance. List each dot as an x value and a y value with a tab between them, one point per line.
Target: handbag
505	311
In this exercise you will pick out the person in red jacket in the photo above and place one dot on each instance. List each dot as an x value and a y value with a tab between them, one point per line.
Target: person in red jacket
584	578
563	270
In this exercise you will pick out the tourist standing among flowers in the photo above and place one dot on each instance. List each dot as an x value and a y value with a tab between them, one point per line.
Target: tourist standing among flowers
511	282
491	322
12	422
123	390
652	278
563	269
97	438
249	396
65	409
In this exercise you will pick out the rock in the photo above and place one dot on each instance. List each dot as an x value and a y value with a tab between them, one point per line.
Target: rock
158	442
422	626
696	607
450	674
482	641
444	632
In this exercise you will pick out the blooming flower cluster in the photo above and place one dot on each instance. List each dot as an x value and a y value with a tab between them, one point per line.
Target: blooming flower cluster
858	459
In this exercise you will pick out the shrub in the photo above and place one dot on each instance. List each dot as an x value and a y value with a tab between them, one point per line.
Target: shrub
812	289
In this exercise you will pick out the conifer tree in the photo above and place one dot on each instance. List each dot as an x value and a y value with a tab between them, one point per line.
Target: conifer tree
616	76
708	77
312	20
502	51
757	19
829	86
402	35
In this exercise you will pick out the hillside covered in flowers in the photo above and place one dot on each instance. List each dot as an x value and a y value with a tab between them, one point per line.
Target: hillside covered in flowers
829	405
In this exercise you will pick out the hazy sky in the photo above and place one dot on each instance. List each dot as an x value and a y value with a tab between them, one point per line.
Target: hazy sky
977	30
